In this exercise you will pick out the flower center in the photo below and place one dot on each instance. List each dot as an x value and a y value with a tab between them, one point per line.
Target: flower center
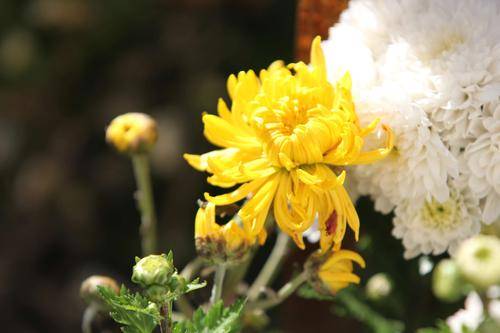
294	132
442	215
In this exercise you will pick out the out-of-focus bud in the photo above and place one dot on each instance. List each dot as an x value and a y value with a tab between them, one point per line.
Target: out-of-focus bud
132	133
153	270
228	243
447	282
478	259
256	319
378	287
90	293
329	273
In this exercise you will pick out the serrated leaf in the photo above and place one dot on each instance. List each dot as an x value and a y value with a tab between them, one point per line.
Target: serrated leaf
216	320
133	311
194	285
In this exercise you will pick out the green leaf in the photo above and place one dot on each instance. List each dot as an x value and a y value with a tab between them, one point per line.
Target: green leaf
134	312
354	306
217	319
194	285
178	286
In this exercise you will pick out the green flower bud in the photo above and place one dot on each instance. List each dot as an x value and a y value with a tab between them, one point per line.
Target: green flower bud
447	282
153	270
378	287
90	294
478	259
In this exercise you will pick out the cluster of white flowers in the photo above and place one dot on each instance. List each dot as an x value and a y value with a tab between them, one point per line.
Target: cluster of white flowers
431	71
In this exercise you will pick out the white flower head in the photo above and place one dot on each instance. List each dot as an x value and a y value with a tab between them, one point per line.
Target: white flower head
431	71
434	227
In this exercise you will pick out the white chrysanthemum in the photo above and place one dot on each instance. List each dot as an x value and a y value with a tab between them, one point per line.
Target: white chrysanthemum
417	169
434	227
431	70
482	159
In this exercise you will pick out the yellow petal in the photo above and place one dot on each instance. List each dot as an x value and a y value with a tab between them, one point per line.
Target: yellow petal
239	194
376	155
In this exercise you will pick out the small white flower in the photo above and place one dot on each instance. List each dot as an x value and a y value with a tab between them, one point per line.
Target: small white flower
433	227
313	234
471	316
478	259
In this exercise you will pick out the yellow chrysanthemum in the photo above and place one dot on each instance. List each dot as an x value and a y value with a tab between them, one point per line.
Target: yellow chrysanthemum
227	242
336	272
285	131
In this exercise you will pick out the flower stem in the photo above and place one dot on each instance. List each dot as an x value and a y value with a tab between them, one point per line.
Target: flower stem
145	201
88	318
182	302
283	293
218	283
271	266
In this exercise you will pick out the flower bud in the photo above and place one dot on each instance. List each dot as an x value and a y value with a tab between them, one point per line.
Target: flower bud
90	294
447	282
378	287
228	243
478	259
153	270
132	133
329	273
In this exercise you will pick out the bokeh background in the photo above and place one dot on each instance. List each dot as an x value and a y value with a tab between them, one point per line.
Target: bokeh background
67	67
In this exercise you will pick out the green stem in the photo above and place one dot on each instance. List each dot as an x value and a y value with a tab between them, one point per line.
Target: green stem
218	283
271	267
182	302
88	318
236	274
170	323
145	201
191	268
283	293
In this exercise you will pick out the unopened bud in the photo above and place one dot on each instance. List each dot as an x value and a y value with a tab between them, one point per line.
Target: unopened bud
228	243
153	270
90	294
447	282
478	259
132	133
378	287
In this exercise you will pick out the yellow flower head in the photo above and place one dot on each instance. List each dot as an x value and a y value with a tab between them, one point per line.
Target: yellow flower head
285	131
132	133
225	243
333	272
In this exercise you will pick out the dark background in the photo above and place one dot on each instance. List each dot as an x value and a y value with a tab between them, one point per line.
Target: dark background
67	67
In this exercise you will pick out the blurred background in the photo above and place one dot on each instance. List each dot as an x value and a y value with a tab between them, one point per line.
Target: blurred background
67	67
